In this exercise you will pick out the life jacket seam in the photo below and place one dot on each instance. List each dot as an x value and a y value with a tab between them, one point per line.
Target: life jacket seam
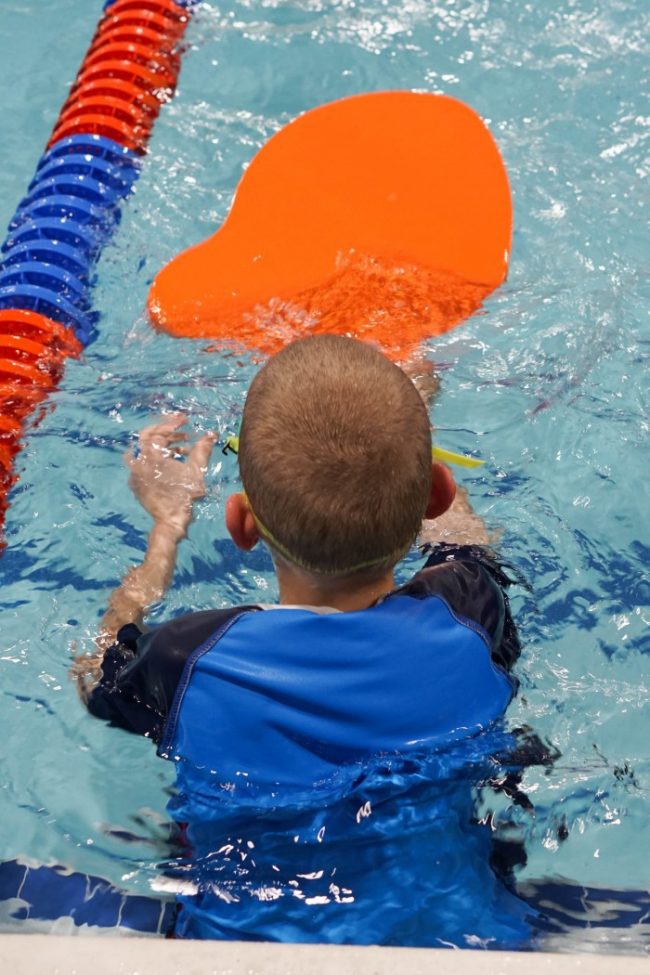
466	621
473	625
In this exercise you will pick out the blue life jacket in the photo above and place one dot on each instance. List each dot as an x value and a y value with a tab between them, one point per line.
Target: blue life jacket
326	762
276	701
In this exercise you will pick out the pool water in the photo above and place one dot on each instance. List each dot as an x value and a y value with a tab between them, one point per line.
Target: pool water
549	383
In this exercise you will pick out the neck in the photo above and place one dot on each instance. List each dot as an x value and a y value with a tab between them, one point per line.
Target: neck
303	589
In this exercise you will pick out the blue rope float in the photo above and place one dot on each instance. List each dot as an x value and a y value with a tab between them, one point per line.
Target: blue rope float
72	205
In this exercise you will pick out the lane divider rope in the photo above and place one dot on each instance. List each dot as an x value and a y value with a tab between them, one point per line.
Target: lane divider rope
72	205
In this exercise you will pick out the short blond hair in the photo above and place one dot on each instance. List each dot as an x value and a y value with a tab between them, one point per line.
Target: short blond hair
335	456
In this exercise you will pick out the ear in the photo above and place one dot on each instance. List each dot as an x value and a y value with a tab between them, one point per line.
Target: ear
443	491
240	522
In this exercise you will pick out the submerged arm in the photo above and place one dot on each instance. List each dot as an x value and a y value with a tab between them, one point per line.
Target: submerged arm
460	525
166	486
142	585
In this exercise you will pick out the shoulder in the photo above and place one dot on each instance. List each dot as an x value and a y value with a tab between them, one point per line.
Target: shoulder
176	639
141	671
472	580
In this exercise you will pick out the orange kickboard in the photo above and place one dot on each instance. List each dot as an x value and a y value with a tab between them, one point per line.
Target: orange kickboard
384	215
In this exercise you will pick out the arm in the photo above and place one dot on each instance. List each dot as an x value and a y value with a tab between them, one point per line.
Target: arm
143	585
474	583
167	487
460	525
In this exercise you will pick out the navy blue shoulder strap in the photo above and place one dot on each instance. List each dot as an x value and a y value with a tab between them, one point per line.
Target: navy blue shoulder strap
141	672
473	582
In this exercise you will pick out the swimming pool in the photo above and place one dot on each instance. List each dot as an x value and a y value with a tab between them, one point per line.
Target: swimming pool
547	385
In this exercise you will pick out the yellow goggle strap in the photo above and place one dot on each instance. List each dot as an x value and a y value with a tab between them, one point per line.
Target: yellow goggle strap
437	453
460	460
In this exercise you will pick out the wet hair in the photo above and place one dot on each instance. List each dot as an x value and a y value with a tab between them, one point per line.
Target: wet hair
335	456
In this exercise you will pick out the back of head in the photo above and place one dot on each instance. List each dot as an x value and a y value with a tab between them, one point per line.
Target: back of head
335	456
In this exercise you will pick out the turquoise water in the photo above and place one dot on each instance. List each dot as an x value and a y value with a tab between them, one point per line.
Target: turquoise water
548	384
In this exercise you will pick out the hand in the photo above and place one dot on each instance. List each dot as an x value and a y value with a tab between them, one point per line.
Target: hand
166	475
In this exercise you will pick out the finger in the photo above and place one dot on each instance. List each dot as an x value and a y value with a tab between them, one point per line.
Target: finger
167	446
173	436
176	450
200	453
159	440
175	440
164	428
130	457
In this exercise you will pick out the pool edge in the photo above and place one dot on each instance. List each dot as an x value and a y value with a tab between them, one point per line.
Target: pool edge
38	954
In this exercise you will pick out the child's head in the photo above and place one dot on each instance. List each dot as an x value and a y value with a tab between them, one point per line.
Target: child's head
335	457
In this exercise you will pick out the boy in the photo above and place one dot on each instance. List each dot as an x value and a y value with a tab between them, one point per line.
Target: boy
323	746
